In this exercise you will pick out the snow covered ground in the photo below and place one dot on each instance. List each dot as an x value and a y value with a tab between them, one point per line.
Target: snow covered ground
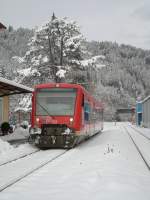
9	152
144	131
19	133
108	166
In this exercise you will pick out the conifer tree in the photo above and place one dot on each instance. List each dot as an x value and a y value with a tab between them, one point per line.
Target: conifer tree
53	51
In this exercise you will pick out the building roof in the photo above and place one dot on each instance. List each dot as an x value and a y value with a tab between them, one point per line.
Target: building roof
2	26
146	98
8	87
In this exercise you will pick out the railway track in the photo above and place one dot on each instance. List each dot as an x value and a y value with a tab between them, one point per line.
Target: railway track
139	145
18	158
140	132
23	167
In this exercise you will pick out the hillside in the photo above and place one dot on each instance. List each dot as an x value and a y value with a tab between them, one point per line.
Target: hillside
12	43
126	76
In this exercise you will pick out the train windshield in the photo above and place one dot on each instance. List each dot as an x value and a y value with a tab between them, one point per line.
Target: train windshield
55	101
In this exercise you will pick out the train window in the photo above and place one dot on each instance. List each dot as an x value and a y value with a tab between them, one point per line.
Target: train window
83	101
55	101
86	111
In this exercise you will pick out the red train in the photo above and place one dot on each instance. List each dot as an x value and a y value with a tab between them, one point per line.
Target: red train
63	115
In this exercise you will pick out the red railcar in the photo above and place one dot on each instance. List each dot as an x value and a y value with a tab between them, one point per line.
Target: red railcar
63	115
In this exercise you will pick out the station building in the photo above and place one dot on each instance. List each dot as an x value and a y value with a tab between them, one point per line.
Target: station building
143	112
2	27
146	112
8	88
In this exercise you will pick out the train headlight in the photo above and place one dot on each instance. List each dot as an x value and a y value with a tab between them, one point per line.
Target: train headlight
37	120
57	84
71	120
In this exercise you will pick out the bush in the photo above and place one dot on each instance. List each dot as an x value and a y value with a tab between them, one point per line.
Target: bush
5	127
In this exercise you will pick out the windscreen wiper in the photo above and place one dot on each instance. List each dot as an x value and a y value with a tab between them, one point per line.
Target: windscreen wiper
45	109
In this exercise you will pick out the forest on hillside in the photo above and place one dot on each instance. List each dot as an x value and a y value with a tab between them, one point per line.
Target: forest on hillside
116	74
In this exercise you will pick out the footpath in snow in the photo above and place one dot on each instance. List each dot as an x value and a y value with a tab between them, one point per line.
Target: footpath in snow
106	167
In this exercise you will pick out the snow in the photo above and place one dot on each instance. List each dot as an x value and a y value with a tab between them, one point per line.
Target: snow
42	28
74	42
45	59
142	143
28	53
67	132
19	133
14	153
25	104
35	61
4	147
61	73
99	66
92	60
8	152
18	59
108	166
25	72
144	131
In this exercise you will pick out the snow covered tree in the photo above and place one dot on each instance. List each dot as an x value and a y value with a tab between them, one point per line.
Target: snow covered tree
2	71
52	51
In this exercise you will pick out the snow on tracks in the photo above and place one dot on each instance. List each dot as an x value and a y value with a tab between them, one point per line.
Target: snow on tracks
17	170
141	142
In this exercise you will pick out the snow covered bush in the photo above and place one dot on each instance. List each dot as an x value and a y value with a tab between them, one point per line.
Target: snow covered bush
24	124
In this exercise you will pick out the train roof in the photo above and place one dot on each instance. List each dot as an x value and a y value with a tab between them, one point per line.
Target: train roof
64	85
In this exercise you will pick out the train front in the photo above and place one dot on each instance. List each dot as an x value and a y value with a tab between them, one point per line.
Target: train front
53	117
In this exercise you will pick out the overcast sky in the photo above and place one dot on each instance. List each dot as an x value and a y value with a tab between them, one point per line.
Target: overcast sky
123	21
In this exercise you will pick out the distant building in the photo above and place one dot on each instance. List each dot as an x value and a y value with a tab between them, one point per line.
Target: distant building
2	27
146	112
143	112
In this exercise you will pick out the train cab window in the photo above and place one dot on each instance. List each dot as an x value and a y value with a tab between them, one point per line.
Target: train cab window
55	101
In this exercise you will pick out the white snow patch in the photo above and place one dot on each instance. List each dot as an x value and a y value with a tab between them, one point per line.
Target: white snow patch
28	71
61	72
4	147
67	132
19	133
35	61
25	72
18	59
24	104
15	153
28	53
45	59
91	60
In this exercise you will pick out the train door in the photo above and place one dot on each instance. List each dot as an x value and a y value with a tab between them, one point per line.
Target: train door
87	115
